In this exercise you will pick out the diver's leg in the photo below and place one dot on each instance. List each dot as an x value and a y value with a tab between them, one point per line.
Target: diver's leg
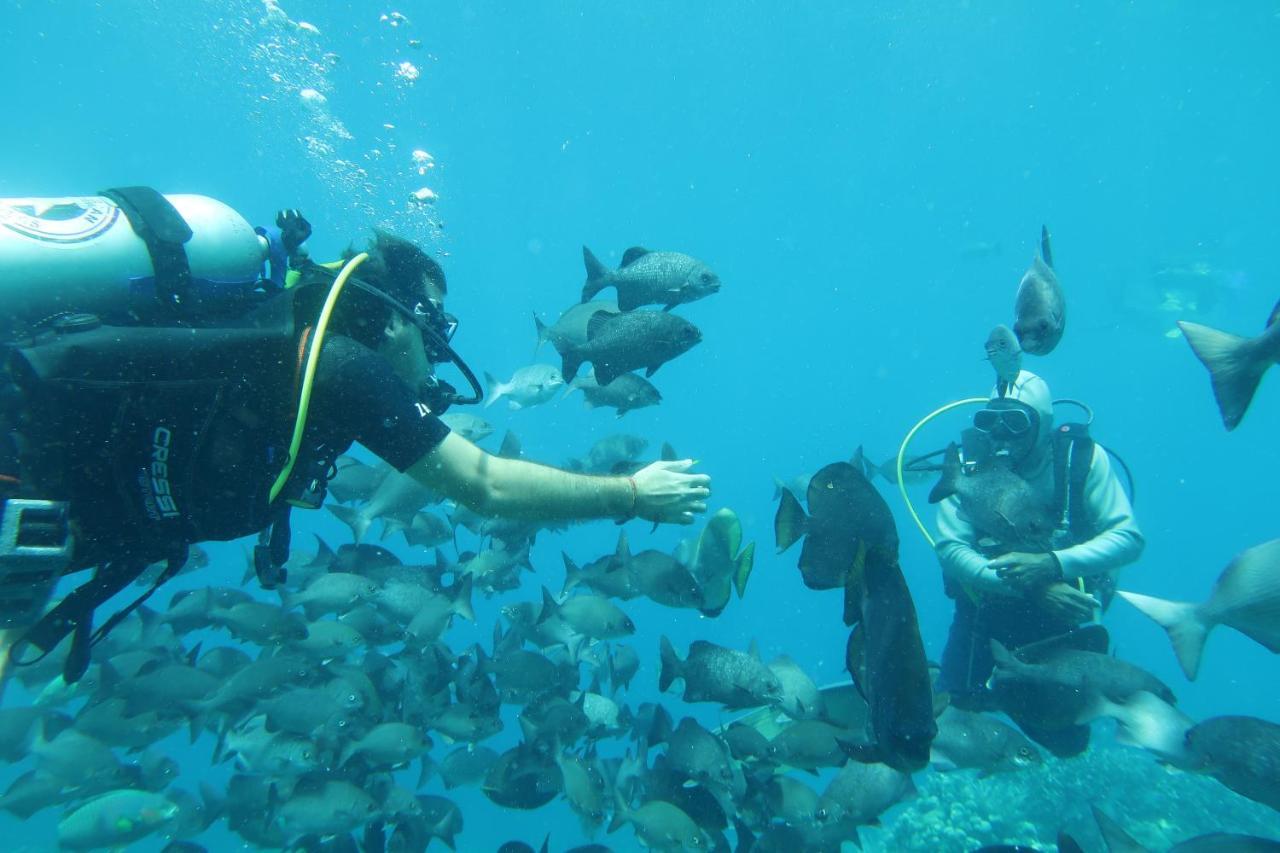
966	659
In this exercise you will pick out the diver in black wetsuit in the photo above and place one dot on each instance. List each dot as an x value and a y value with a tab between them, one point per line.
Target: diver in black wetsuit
122	445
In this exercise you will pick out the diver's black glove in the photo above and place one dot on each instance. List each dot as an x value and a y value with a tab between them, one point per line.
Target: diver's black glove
294	229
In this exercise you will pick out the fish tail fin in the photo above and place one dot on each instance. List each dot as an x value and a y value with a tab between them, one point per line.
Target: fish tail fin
1187	631
549	607
946	487
791	522
496	389
572	574
1235	367
351	517
670	669
597	275
742	568
541	328
570	361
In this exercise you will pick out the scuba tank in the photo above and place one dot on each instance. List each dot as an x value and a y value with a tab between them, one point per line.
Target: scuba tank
131	256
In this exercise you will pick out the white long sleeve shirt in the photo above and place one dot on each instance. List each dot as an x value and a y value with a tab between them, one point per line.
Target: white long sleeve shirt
1117	543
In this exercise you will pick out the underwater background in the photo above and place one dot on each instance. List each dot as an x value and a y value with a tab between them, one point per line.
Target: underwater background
868	180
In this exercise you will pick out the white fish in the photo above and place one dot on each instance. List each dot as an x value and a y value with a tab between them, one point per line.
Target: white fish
528	386
1246	597
1236	365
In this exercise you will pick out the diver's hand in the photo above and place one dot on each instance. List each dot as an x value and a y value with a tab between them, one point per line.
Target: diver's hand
1027	572
294	229
1065	602
665	493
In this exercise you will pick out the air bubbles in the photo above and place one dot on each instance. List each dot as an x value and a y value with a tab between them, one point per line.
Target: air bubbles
313	99
393	19
407	72
423	195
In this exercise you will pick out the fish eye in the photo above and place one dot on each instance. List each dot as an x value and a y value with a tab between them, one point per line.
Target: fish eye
1043	326
1024	752
705	277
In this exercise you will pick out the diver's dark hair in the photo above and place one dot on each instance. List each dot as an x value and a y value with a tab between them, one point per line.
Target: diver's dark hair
399	269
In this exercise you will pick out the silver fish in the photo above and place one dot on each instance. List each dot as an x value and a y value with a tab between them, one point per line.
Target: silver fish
1246	597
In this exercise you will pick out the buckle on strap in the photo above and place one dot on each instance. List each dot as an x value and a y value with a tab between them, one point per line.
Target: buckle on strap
35	549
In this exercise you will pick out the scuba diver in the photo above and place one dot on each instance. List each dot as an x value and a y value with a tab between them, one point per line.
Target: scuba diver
175	395
1035	572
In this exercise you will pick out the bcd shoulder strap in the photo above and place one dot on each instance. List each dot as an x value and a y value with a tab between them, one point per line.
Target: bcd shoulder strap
1073	450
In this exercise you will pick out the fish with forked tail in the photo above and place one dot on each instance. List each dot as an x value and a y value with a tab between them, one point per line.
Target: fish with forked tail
1246	597
650	278
1235	364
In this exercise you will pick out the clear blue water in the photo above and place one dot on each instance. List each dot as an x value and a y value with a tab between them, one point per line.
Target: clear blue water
868	180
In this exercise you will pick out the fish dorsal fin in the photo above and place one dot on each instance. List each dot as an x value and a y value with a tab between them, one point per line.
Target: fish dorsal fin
754	649
632	255
668	452
1046	251
510	448
1275	316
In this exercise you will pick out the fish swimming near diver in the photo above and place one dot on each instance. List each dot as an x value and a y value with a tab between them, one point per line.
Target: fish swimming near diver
619	343
528	386
1005	355
650	278
1246	597
1236	364
999	502
1040	309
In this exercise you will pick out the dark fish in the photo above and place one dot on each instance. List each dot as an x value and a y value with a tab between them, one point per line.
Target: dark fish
619	343
466	765
860	793
701	756
998	502
809	745
885	655
624	394
650	278
967	739
660	826
1242	753
1054	687
713	673
1235	364
1040	311
523	777
1246	597
847	517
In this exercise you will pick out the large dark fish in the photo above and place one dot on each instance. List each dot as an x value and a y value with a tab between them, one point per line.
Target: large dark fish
1040	311
1235	364
713	673
885	655
1054	687
619	343
847	518
997	501
650	278
1242	753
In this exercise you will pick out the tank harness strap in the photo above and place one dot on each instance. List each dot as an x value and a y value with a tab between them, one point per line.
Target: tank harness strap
158	224
1072	460
74	614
